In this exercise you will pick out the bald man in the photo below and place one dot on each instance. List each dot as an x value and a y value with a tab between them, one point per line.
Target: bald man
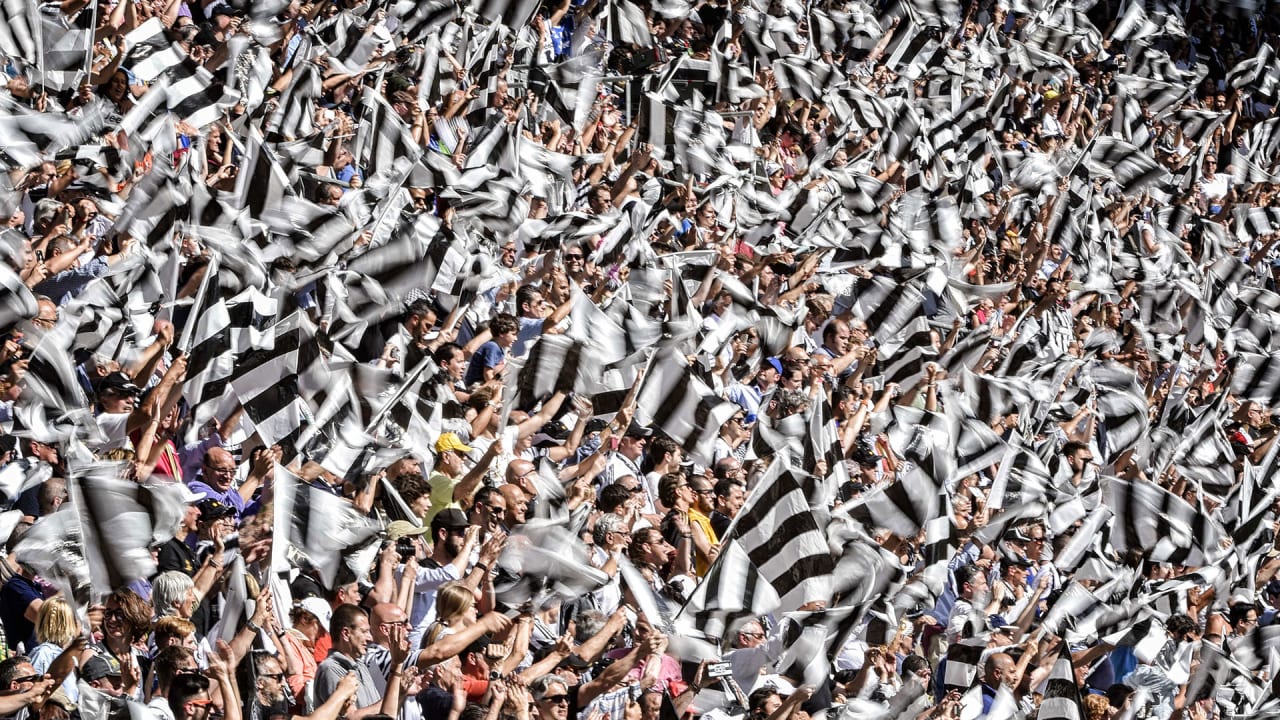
999	668
217	478
520	473
517	505
385	619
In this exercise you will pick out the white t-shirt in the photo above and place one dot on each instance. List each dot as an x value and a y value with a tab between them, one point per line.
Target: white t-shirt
115	433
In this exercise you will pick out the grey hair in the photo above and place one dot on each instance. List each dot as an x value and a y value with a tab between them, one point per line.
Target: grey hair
542	684
587	623
169	589
605	524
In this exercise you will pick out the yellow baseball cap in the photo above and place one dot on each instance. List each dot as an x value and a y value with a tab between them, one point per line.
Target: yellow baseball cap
451	441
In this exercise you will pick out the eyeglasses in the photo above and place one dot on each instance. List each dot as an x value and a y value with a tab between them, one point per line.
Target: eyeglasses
575	257
220	471
739	419
556	699
396	623
704	491
45	322
751	634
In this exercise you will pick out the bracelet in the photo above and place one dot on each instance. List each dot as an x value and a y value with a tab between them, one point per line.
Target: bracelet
687	536
480	566
256	630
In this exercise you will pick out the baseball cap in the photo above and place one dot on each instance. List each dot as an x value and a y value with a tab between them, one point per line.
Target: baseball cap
319	608
775	363
449	518
59	698
119	383
637	430
98	667
214	509
402	529
451	441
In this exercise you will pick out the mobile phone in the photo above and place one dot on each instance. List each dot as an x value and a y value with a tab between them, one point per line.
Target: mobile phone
718	670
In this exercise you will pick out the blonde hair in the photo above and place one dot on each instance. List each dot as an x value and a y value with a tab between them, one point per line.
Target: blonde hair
452	600
56	622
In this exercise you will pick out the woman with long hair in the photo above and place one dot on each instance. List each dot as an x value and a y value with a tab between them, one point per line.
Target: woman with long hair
455	609
126	624
56	628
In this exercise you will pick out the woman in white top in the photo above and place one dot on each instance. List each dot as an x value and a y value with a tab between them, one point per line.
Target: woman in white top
455	609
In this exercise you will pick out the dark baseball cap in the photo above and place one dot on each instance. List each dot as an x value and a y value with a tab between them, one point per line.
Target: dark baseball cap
118	383
637	430
211	510
449	518
98	667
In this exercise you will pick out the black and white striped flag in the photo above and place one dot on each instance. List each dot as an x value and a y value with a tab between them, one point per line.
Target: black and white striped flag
418	18
149	52
803	79
557	363
1131	168
783	539
1061	693
318	530
677	402
1162	526
121	520
903	507
18	29
275	379
732	591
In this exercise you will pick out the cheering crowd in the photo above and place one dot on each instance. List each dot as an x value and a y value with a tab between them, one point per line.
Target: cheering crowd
639	358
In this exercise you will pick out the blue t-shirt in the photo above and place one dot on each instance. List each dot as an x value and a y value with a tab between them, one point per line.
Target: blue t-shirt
490	355
530	330
15	597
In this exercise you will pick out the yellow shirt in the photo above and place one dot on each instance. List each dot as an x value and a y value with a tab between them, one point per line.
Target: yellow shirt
701	563
441	495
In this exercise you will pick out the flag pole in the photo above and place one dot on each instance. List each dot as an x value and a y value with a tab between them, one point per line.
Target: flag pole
409	379
39	23
93	27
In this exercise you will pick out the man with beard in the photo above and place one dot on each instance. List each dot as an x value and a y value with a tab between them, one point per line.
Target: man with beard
453	539
272	697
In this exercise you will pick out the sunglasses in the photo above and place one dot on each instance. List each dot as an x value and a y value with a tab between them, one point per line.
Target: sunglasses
273	676
26	679
556	699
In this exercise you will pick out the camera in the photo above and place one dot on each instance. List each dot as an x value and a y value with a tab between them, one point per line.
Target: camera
406	549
